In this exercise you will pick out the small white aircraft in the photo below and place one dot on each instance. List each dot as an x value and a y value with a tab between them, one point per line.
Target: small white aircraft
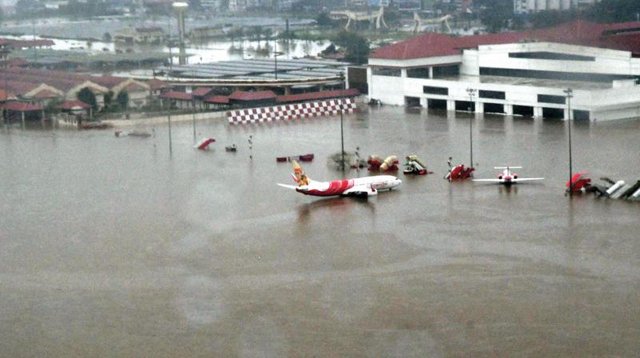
356	187
507	177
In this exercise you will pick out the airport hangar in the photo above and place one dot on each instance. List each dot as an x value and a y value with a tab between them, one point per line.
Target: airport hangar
516	73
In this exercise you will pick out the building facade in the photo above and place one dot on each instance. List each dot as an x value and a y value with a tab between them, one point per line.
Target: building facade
529	6
513	74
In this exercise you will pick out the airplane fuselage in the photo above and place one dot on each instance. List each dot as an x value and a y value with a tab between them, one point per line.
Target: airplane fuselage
364	186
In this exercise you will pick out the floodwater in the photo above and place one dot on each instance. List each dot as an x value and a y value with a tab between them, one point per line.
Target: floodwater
73	35
115	247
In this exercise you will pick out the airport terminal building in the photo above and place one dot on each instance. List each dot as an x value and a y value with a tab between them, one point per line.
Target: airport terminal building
523	73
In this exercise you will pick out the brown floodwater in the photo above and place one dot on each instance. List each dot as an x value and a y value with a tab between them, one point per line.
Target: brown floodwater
115	247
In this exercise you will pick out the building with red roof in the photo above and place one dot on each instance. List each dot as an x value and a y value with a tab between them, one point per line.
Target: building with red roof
516	72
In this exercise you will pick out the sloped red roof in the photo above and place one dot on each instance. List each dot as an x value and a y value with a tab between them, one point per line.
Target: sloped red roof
45	94
73	104
310	96
252	96
180	96
157	84
3	95
22	106
201	91
216	100
619	36
427	45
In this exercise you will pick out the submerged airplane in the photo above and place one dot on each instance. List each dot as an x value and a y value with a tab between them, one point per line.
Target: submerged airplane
507	177
356	187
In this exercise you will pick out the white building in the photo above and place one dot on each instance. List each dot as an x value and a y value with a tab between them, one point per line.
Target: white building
527	6
511	74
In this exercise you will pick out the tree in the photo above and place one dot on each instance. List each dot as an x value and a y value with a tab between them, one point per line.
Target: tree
123	99
85	95
495	14
550	18
614	11
356	46
323	20
108	99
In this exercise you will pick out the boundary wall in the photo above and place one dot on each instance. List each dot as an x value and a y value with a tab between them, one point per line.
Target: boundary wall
330	107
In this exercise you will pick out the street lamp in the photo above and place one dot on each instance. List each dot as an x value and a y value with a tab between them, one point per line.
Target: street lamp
275	57
471	92
569	93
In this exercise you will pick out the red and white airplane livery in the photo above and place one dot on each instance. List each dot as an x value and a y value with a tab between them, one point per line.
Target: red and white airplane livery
507	177
356	187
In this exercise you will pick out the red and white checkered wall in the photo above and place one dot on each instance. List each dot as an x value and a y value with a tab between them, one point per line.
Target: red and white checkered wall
291	111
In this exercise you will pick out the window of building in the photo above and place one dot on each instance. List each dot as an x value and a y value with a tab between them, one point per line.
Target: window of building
552	75
435	90
547	98
492	94
543	55
446	71
386	71
420	72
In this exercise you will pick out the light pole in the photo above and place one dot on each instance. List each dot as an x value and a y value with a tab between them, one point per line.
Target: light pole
169	120
569	93
340	106
193	104
180	8
275	64
471	92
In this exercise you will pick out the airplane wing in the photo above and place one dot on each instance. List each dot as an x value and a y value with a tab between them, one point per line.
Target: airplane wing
360	191
294	187
488	180
525	179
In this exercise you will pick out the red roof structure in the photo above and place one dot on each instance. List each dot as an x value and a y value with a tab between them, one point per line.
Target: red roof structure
311	96
156	84
4	96
201	91
217	100
178	96
22	107
619	36
70	105
252	96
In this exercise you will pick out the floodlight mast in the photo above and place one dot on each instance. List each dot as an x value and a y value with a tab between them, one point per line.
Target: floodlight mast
180	8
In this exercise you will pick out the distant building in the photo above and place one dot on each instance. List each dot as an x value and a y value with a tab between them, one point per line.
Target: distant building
531	6
139	35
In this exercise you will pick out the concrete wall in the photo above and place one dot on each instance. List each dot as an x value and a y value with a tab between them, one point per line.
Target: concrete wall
605	104
606	61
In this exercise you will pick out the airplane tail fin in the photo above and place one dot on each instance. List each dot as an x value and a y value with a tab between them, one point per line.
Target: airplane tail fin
298	174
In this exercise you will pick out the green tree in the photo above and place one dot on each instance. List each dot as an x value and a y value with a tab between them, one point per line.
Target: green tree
323	20
356	47
123	99
550	18
495	14
108	99
614	11
85	95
